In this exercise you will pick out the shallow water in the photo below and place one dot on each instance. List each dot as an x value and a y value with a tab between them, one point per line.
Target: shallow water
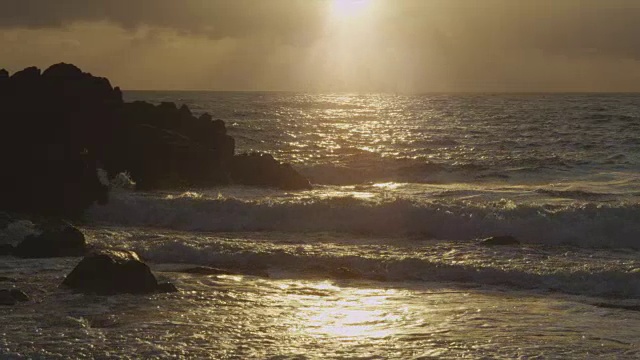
307	311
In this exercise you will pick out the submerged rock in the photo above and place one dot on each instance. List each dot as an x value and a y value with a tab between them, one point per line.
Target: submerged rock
500	240
167	287
63	241
12	296
109	272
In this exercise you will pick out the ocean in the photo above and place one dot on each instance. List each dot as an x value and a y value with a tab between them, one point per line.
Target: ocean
381	259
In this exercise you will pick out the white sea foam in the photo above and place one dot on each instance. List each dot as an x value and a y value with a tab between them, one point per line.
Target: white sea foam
579	224
103	177
577	271
122	181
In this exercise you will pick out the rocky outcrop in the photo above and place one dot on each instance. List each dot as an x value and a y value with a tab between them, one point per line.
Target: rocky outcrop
257	169
164	146
62	241
61	125
161	158
54	125
110	272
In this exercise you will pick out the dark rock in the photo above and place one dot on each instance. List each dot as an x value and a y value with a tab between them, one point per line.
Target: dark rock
26	76
205	117
4	74
12	296
500	240
160	158
54	128
6	249
184	111
218	127
109	272
62	242
7	279
63	72
257	169
167	287
61	125
167	147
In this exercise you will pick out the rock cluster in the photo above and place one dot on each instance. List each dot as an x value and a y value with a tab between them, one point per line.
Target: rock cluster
164	146
61	125
102	272
53	125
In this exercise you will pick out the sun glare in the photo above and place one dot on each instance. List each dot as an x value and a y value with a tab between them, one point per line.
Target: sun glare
349	8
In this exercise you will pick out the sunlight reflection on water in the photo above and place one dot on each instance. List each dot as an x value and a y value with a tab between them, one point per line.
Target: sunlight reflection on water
246	317
359	313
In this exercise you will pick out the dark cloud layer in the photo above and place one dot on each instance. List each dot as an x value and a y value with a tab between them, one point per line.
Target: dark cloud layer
215	18
400	45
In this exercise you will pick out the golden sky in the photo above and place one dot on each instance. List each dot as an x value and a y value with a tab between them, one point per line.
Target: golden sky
333	45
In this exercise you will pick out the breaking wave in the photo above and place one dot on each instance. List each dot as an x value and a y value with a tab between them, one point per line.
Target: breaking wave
585	225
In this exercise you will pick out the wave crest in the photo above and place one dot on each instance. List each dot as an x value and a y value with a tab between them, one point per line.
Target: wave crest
588	225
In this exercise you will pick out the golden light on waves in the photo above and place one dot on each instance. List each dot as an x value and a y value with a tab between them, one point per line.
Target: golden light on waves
358	313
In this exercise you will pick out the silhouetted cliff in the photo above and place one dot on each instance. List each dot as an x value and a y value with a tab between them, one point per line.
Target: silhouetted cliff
61	125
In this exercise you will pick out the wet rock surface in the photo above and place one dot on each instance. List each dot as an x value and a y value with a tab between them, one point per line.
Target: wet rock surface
61	241
110	272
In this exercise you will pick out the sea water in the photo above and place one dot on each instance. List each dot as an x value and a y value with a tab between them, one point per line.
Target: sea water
381	258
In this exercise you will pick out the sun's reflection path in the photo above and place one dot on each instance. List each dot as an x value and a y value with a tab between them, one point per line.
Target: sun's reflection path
349	313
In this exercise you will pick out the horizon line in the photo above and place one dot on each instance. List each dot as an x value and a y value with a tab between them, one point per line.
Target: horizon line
577	92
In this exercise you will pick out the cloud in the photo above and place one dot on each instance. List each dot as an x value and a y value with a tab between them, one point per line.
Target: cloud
295	20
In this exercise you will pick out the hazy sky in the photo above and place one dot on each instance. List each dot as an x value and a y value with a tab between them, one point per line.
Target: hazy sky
333	45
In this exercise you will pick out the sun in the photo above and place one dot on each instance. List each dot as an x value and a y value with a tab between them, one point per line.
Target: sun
345	9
